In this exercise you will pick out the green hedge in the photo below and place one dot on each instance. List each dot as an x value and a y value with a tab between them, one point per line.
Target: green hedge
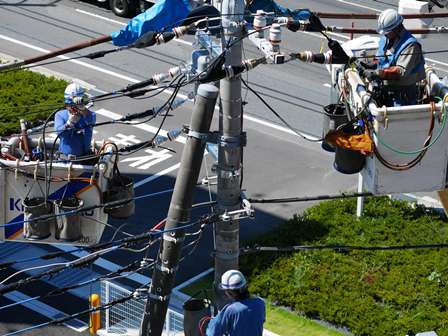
371	293
20	90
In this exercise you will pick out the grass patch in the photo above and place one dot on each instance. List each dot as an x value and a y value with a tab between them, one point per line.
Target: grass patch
285	323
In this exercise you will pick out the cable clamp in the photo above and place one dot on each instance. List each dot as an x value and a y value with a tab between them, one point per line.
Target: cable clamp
168	237
165	269
209	180
157	297
233	141
247	211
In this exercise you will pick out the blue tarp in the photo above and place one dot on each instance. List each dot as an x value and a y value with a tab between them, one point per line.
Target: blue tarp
165	14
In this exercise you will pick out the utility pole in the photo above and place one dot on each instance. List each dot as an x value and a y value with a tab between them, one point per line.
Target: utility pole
230	144
179	213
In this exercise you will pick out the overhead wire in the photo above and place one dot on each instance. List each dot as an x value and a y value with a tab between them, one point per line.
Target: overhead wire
340	248
278	115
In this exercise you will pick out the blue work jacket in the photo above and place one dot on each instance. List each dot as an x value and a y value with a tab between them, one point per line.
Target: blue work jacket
391	60
75	141
239	318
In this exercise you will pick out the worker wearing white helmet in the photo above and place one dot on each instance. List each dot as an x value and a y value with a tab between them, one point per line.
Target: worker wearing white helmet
244	316
74	124
400	62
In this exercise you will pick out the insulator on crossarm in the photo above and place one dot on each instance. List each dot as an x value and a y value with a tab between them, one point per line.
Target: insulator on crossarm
260	23
275	37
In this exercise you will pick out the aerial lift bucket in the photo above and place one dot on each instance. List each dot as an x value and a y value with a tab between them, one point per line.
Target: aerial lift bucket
68	225
41	228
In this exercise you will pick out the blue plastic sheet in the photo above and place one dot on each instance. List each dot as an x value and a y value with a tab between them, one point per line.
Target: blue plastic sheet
165	14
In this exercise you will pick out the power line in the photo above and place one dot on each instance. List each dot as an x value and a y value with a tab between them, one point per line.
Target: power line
278	115
340	248
310	198
137	295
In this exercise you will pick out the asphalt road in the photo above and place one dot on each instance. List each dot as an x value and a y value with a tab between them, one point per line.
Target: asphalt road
276	162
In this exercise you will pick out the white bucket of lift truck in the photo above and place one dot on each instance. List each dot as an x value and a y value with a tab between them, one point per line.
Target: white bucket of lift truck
406	129
415	7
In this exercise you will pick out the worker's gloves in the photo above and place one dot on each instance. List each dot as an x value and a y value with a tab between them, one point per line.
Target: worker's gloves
73	119
371	75
367	71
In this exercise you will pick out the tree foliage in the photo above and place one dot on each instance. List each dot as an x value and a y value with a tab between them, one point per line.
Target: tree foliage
21	91
370	292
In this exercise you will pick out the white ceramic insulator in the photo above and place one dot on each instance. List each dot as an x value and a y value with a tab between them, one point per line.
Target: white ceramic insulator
275	36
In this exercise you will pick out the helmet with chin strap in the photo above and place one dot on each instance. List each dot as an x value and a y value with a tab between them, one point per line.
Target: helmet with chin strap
388	21
74	94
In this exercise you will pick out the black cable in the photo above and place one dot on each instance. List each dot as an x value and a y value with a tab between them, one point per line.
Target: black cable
339	248
278	115
73	316
309	198
131	267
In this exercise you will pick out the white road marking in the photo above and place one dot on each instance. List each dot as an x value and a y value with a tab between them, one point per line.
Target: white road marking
84	64
146	161
122	23
157	175
125	140
100	17
144	127
358	5
327	85
277	127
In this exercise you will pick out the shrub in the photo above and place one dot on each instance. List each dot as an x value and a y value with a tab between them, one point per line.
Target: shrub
27	95
370	292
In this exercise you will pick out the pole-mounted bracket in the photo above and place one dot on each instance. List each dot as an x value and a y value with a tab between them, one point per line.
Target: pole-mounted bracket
216	138
247	211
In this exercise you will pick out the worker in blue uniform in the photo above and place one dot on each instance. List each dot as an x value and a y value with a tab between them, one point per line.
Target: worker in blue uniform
74	124
399	61
243	316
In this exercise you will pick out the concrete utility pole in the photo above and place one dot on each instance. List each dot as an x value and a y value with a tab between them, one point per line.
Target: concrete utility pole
230	145
179	212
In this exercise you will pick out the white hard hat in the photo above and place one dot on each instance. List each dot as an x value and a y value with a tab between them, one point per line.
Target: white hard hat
388	21
71	91
232	279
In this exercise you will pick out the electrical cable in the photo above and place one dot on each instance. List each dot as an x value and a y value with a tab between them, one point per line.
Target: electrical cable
340	248
134	295
85	260
310	198
131	267
279	116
